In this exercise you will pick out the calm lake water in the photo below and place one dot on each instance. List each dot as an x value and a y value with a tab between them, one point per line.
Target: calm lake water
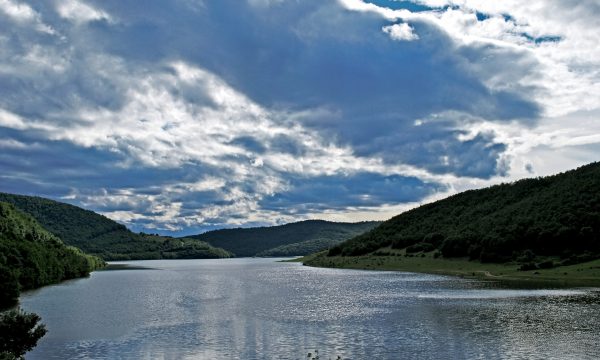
263	309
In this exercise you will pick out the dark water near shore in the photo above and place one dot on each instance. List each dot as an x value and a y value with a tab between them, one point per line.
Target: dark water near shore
262	309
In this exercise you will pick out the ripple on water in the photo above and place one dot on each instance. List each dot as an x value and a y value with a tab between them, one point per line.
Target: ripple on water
260	309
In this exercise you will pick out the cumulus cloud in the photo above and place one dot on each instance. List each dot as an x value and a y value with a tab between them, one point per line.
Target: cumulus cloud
557	62
555	34
10	120
400	32
249	152
18	11
24	14
79	12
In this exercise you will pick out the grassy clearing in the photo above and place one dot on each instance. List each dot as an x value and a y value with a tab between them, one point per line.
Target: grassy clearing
580	275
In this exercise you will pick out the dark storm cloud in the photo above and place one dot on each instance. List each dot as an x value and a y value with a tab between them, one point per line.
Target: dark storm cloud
340	192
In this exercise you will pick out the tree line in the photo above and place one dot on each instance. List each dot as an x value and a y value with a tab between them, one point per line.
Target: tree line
98	235
299	238
549	216
31	257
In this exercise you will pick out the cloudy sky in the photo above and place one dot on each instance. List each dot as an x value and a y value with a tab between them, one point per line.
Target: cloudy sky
179	116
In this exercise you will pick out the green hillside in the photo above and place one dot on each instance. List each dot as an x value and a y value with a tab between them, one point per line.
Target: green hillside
98	235
300	238
31	257
539	222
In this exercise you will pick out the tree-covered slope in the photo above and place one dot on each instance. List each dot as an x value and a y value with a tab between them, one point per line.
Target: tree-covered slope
551	216
101	236
300	238
31	257
311	246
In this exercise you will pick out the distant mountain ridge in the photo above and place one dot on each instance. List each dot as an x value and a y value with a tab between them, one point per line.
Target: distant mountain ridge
294	239
98	235
556	216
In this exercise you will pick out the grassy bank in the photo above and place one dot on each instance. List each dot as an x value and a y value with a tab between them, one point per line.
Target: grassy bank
584	274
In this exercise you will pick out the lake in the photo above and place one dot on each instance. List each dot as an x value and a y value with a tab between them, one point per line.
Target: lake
264	309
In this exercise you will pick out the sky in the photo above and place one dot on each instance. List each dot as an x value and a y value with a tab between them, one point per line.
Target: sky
181	116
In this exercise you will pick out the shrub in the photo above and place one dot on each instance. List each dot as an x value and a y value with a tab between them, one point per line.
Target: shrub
19	333
418	247
433	238
525	256
548	264
528	266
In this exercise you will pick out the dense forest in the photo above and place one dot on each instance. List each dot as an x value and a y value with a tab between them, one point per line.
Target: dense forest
31	257
306	247
548	216
300	238
98	235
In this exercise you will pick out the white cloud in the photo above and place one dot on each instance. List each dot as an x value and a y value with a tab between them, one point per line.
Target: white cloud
18	11
560	40
158	128
567	79
12	144
359	5
79	12
400	32
13	121
24	14
568	67
160	212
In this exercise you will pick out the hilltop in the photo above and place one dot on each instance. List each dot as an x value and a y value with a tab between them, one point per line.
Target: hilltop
533	223
98	235
294	239
32	257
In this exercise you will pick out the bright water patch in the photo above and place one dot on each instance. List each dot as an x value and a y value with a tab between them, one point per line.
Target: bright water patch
262	309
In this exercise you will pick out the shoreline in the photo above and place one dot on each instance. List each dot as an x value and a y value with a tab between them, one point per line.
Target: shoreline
117	267
580	275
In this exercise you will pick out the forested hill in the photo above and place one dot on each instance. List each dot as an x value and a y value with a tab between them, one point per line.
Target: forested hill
98	235
300	238
31	257
551	216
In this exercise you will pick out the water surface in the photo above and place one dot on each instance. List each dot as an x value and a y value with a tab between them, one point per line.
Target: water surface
263	309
